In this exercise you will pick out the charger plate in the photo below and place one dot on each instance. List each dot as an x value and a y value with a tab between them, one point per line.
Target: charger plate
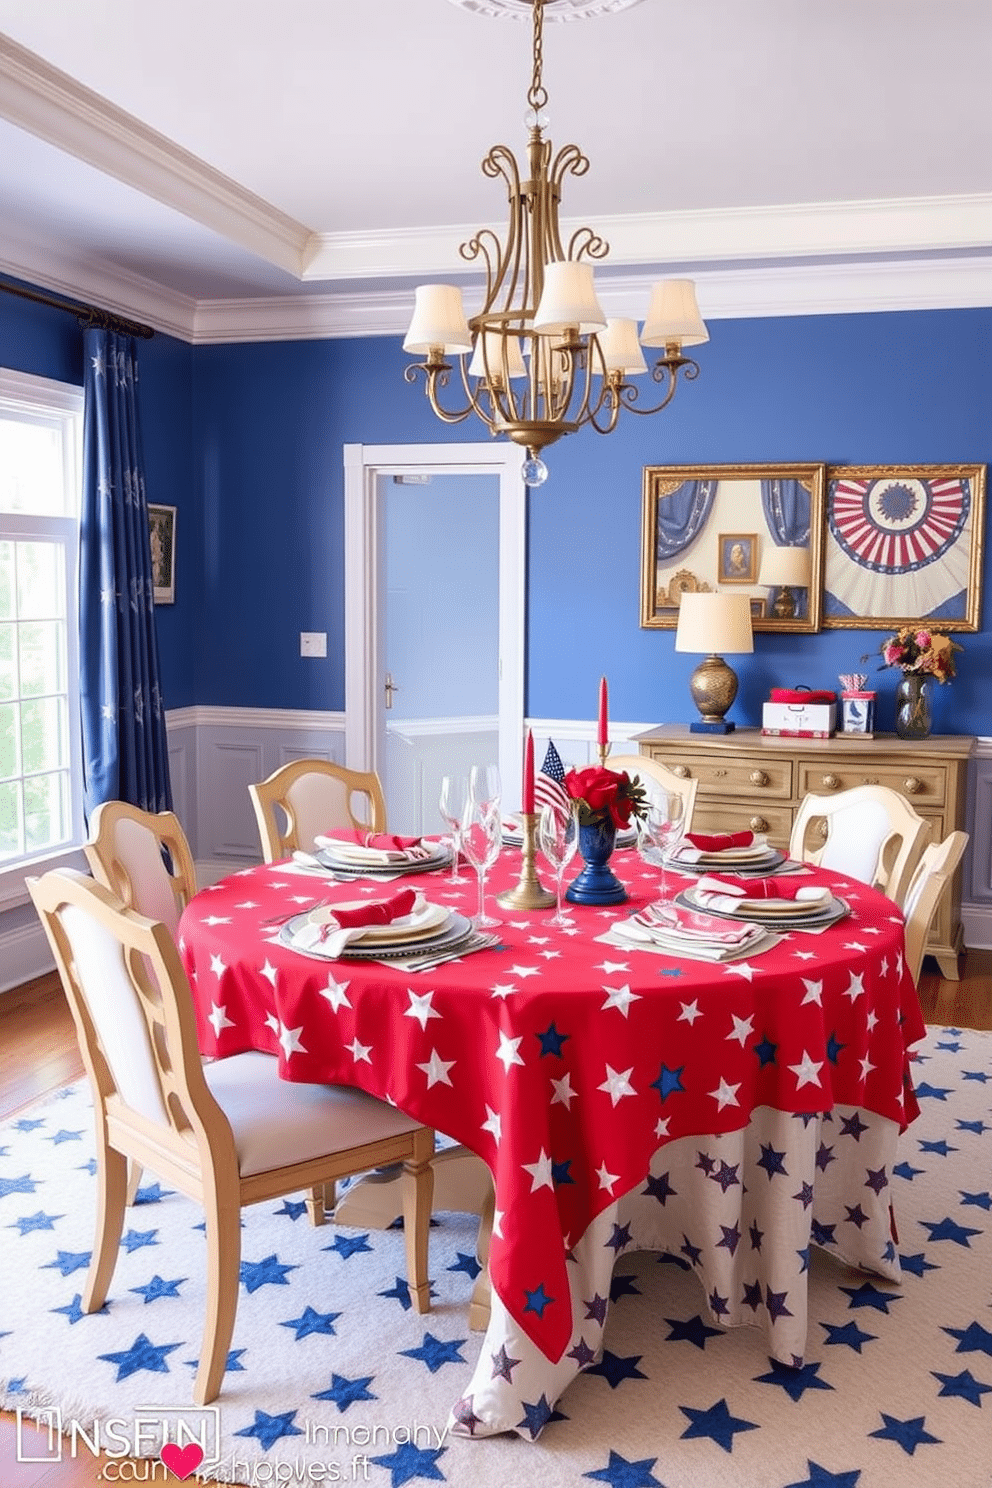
827	914
350	867
455	929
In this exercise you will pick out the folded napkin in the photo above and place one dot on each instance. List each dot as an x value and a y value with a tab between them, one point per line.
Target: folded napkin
761	888
332	936
672	919
383	841
801	695
719	841
376	912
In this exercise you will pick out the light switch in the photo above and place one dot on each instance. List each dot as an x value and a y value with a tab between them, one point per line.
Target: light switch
313	642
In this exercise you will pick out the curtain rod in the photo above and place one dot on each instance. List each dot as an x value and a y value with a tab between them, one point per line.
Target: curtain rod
87	315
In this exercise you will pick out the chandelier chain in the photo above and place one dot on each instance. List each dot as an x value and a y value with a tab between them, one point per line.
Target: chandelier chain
537	95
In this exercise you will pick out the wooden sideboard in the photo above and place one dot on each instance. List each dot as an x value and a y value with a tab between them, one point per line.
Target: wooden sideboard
751	780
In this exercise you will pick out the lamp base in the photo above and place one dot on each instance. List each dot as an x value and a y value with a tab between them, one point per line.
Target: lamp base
721	726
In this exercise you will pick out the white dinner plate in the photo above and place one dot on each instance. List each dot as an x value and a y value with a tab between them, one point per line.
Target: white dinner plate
812	916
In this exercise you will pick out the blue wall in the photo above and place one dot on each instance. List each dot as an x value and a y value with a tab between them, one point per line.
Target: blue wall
246	440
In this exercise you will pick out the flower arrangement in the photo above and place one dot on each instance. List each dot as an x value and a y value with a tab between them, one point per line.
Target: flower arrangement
606	795
914	649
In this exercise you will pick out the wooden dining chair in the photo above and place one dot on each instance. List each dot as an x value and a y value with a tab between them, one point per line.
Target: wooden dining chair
928	885
310	796
125	853
225	1134
870	832
654	772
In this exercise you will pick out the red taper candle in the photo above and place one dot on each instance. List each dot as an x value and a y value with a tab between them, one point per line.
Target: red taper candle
603	735
528	790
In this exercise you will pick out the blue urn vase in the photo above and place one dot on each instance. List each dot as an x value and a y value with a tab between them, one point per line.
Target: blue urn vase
597	883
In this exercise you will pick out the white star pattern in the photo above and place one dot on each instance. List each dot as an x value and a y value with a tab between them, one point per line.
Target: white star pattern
725	1095
540	1172
269	972
620	998
563	1092
807	1071
436	1069
289	1038
503	990
742	1029
219	1019
742	969
690	1012
617	1084
606	1178
420	1008
805	955
661	1127
336	994
217	966
359	1051
612	968
866	1067
814	992
526	971
507	1051
217	919
493	1123
857	986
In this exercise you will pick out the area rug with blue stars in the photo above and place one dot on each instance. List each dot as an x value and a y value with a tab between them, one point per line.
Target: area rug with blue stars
333	1377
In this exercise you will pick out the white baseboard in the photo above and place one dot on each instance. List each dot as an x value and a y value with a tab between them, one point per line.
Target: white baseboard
976	921
24	955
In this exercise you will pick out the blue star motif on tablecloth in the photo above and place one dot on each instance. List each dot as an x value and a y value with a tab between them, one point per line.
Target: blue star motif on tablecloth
152	1193
659	1188
615	1368
293	1209
795	1382
537	1414
753	1296
693	1253
344	1391
143	1354
39	1221
822	1234
719	1305
855	1215
348	1245
730	1237
725	1175
805	1195
620	1473
765	1051
74	1312
849	1334
503	1364
67	1261
964	1385
824	1157
560	1173
25	1185
775	1302
152	1290
581	1353
867	1295
551	1040
619	1238
436	1352
269	1272
909	1434
971	1340
537	1300
311	1321
691	1330
773	1162
137	1239
669	1082
907	1171
980	1200
270	1429
595	1309
717	1423
64	1136
409	1461
756	1236
819	1477
876	1180
834	1047
947	1229
917	1264
466	1263
852	1126
935	1092
940	1148
623	1285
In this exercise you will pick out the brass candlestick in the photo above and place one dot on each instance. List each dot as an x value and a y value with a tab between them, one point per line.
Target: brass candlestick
529	892
604	750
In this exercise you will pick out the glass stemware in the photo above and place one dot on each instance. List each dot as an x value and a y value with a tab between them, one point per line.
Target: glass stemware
485	787
454	799
659	829
482	838
558	838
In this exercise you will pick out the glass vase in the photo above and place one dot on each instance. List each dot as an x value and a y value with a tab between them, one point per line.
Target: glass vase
914	709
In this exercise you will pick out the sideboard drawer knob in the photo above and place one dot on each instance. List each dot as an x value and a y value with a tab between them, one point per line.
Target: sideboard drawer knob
759	777
912	786
758	824
682	771
831	782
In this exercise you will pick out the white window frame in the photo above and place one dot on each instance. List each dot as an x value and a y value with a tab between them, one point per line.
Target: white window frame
24	395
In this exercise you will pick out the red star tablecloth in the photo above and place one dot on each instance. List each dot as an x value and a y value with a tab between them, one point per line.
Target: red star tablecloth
565	1063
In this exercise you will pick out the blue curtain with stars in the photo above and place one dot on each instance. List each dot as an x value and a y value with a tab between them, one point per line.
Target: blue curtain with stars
125	755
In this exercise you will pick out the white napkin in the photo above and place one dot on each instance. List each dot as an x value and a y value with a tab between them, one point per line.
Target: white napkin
685	852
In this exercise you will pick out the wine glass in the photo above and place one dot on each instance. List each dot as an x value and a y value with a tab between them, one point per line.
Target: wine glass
659	829
558	837
454	799
482	838
485	788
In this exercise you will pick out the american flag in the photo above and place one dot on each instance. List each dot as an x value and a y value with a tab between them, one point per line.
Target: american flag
549	782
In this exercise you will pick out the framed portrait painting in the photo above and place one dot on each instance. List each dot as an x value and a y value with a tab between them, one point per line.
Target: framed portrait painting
692	540
162	535
903	544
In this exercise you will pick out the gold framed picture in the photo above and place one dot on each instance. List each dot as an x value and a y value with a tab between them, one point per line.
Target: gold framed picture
162	536
738	557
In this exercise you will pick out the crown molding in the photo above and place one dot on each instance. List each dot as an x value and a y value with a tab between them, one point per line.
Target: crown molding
53	106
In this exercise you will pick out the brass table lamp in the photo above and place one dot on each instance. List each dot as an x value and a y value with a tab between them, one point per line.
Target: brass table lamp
710	624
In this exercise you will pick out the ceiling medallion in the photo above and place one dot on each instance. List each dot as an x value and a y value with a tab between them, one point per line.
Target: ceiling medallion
554	10
540	359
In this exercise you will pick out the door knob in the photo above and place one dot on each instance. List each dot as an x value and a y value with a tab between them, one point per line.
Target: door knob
389	687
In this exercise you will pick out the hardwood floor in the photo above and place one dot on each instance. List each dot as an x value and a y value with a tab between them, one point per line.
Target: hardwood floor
38	1053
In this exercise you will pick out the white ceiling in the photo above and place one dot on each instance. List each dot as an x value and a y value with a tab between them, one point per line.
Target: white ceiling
233	167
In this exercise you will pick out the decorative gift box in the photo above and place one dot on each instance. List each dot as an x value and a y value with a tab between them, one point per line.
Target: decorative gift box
799	720
858	713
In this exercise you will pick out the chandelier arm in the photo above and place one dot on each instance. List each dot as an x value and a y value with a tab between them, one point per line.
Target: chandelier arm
436	377
584	241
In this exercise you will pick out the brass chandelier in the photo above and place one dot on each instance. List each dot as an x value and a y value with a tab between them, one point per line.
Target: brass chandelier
540	359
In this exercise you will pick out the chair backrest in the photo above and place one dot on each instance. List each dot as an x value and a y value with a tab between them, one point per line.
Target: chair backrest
133	1010
926	889
872	834
652	771
310	796
124	852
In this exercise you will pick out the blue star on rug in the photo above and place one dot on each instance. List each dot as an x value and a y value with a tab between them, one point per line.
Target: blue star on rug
971	1340
615	1368
152	1290
270	1272
25	1185
153	1193
692	1330
74	1311
311	1321
867	1295
795	1382
716	1423
344	1391
620	1473
39	1221
348	1245
293	1209
819	1477
137	1239
68	1261
909	1434
270	1429
947	1229
435	1352
849	1334
143	1354
964	1385
409	1462
233	1361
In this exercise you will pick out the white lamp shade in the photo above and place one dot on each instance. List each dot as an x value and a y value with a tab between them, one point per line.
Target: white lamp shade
492	353
714	624
438	320
621	348
673	315
568	299
785	567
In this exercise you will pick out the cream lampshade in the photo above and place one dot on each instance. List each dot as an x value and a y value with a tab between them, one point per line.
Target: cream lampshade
785	569
710	624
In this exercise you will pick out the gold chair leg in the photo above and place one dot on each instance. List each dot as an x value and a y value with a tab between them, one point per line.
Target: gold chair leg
320	1202
479	1307
111	1195
418	1194
222	1211
133	1180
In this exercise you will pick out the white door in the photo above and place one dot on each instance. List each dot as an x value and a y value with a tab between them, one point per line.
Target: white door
368	492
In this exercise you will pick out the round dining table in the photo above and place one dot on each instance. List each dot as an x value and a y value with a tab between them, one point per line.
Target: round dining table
732	1114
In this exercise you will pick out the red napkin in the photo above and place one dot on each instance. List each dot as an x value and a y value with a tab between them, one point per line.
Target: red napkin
384	841
762	888
800	695
719	840
377	912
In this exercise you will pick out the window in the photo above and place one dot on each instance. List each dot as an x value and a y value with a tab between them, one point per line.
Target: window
40	761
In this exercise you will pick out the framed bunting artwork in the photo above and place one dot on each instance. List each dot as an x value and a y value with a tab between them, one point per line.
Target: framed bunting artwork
903	544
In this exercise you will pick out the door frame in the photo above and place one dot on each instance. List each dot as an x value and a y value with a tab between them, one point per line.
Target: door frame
364	585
